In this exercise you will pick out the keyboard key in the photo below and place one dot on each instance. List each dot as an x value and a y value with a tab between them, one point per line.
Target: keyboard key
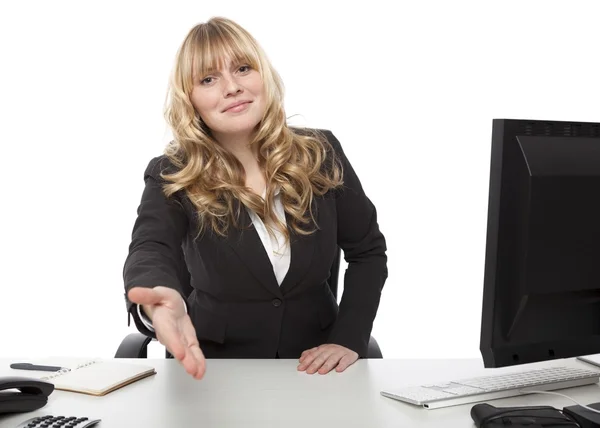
495	386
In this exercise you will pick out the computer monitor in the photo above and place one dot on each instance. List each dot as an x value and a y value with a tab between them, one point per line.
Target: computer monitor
541	297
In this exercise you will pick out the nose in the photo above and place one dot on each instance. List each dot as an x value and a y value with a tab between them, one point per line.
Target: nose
231	86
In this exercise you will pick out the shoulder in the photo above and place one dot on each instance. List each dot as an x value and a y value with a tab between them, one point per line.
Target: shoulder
323	135
155	173
312	132
158	166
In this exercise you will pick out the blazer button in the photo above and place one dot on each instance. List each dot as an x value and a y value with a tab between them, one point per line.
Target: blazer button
276	302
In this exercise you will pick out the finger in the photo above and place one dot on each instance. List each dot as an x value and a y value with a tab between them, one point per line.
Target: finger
200	360
319	361
331	362
346	361
309	358
308	351
144	296
194	361
189	360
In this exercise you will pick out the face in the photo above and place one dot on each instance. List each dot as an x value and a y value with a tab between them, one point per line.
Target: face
231	100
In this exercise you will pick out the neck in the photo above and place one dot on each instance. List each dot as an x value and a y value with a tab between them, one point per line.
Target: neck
239	146
234	143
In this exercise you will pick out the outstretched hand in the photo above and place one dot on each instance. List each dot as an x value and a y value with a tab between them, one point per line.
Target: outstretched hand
173	326
325	358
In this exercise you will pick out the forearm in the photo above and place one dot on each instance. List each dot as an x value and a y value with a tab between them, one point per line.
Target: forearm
363	284
364	249
150	265
155	255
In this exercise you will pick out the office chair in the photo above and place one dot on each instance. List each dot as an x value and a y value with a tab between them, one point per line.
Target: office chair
135	345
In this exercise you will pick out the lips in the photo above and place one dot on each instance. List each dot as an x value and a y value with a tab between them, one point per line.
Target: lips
236	104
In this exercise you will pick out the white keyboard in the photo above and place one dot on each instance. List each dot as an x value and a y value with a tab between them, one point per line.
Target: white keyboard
451	393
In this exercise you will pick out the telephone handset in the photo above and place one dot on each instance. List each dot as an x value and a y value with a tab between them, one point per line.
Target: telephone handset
23	394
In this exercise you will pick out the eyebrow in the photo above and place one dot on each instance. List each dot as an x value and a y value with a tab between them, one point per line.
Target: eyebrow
199	75
211	71
234	64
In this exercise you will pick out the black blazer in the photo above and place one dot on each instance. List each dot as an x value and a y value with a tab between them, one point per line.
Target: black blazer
233	298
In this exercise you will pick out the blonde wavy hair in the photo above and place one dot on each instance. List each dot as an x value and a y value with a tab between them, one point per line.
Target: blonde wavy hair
301	164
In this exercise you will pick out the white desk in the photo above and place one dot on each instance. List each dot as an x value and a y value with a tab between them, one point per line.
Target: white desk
271	393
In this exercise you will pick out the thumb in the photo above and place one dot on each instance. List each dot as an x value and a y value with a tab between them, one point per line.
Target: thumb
144	296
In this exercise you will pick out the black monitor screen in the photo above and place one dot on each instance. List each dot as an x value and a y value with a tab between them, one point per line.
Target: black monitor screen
541	296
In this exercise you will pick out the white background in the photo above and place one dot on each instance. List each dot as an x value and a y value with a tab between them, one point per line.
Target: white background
409	88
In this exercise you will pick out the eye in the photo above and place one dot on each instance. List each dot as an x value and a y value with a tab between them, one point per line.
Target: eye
244	68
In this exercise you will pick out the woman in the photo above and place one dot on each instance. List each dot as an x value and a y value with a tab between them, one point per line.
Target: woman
241	218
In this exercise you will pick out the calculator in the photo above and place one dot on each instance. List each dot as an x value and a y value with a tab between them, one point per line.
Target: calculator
50	421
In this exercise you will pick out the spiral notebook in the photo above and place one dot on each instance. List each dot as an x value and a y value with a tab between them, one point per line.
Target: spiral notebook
94	377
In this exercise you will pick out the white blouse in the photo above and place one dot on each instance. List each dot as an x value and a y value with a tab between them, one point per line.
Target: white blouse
275	246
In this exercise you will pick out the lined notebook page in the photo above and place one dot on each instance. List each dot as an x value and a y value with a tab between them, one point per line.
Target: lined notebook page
94	377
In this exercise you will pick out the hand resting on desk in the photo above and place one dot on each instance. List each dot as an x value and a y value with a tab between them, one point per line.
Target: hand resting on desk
325	358
172	325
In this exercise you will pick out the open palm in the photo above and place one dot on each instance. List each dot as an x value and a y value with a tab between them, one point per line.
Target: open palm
173	326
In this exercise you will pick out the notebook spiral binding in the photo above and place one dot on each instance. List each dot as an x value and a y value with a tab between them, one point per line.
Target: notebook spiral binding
63	371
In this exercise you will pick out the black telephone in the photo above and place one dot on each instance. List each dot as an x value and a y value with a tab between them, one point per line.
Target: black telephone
31	394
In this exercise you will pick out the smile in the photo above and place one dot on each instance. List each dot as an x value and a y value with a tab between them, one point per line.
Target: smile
238	107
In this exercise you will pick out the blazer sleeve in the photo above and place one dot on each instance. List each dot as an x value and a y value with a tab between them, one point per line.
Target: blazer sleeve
155	253
364	248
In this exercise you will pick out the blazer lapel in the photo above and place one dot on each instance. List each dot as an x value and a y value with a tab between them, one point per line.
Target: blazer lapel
250	249
248	246
302	250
